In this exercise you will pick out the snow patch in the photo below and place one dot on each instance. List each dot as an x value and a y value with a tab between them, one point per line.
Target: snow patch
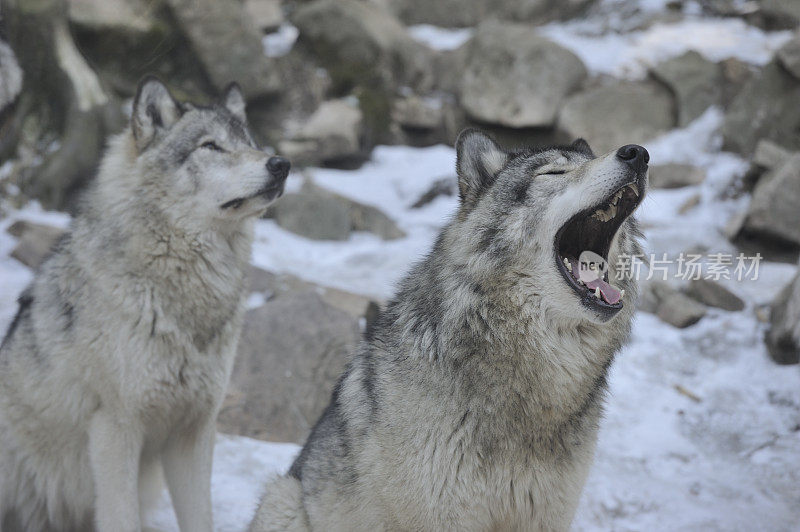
439	38
629	55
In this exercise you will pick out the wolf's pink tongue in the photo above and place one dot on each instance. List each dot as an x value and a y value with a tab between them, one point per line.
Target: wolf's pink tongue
608	292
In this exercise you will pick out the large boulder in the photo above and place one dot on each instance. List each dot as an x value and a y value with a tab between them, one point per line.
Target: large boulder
62	98
10	76
333	133
517	78
780	13
783	336
765	108
695	81
228	45
775	205
127	16
467	13
713	294
359	43
265	14
680	310
319	214
769	155
292	350
669	304
789	56
611	116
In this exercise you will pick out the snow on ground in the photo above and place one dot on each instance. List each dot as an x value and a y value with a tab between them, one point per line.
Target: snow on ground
440	38
240	467
393	180
628	55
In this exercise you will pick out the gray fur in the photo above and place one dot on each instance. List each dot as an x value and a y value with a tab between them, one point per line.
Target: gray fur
119	356
474	402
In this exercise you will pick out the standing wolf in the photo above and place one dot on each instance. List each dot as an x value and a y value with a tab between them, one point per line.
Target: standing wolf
118	359
474	402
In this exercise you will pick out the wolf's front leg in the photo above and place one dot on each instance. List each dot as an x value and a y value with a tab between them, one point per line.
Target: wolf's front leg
187	467
114	452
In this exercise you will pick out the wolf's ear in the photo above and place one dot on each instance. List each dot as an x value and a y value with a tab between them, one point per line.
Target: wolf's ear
582	146
154	110
233	100
478	159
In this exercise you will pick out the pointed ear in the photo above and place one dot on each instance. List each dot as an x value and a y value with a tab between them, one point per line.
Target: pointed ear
582	146
478	159
233	100
154	110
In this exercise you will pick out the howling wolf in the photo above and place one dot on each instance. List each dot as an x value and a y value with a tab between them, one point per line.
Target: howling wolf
474	401
117	361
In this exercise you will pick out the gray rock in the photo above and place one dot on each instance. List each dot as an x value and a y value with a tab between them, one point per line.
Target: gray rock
769	155
765	108
265	14
62	98
10	76
134	17
736	74
370	219
516	78
614	115
651	293
446	186
789	56
783	336
414	112
313	215
675	175
669	304
332	133
713	294
228	45
695	81
781	13
774	207
679	310
466	13
292	351
35	241
319	214
274	285
359	43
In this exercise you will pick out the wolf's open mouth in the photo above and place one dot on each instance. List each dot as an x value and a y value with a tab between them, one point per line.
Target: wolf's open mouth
593	230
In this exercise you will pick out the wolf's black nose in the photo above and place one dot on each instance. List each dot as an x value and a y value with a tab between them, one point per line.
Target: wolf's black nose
634	155
278	167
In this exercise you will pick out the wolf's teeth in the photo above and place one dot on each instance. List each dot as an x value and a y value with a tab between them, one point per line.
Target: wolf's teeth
566	263
621	294
634	189
597	292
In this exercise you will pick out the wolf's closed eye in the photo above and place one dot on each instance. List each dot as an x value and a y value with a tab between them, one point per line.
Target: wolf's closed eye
211	145
553	172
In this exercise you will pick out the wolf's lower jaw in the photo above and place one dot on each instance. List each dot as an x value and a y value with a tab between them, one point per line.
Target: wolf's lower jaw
269	193
593	230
